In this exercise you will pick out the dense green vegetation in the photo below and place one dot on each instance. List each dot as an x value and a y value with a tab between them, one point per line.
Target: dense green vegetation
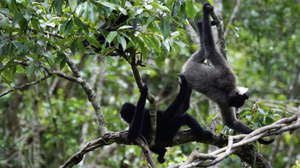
43	125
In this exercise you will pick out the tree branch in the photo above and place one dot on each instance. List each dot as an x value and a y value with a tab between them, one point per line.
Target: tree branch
147	152
242	149
26	85
245	152
58	73
90	94
233	16
221	38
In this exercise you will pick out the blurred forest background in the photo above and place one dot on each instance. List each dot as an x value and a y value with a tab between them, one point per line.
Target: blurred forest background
44	124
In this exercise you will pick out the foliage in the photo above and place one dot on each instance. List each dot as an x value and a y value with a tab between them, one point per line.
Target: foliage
264	55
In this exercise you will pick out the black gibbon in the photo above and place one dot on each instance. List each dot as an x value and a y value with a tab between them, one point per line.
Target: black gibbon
168	121
113	26
217	81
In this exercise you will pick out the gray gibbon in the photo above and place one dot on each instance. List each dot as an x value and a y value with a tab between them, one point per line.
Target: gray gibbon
168	121
216	81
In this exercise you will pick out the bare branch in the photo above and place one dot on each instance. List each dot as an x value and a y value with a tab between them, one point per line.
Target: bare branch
147	152
90	94
58	73
276	128
233	16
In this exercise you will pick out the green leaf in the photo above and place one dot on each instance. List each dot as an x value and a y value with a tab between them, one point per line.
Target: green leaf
16	19
62	59
111	36
58	59
219	128
86	9
107	4
73	4
12	6
190	9
152	41
122	41
3	22
159	59
7	74
208	120
125	27
166	45
49	55
165	26
23	23
144	50
20	69
68	27
211	2
234	29
27	15
29	69
149	20
35	24
78	22
58	6
156	5
73	47
80	45
93	13
149	7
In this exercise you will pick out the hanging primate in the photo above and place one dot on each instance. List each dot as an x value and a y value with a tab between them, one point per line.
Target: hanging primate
217	81
168	121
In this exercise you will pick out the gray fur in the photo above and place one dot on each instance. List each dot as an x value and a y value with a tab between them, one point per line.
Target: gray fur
216	81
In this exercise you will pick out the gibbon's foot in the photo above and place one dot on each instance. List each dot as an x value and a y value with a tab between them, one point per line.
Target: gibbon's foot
265	142
207	7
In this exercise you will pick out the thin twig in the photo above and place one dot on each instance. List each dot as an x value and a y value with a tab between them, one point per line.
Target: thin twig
26	85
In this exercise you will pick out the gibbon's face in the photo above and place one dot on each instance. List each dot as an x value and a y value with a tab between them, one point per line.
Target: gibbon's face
238	98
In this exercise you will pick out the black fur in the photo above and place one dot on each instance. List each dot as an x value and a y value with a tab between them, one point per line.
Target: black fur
168	121
217	81
238	100
112	27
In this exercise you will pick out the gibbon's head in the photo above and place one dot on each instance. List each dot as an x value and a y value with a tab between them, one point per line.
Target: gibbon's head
127	112
238	97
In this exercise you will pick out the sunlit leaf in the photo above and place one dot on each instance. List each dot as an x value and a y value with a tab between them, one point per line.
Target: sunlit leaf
190	9
211	2
73	4
159	6
20	69
122	41
111	36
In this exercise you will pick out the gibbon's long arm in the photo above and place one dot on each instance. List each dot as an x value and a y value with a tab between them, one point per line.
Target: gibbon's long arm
220	64
208	41
138	118
196	128
174	107
185	104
